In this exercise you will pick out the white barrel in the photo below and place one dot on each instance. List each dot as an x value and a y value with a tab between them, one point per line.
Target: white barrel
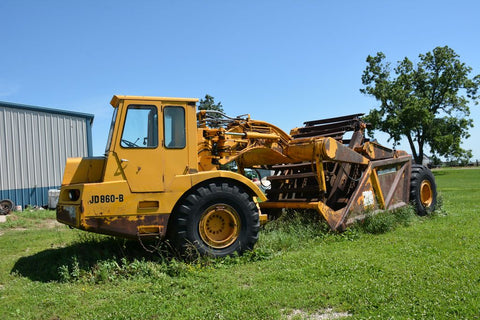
53	198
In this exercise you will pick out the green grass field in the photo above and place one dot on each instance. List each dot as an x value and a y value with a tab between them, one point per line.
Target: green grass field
403	268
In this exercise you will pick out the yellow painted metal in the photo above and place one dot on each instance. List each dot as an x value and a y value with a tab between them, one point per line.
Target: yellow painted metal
117	98
83	170
150	229
327	148
322	184
219	226
267	148
141	169
289	205
368	149
250	157
332	217
426	194
152	169
124	203
257	135
148	204
263	218
305	149
113	168
378	189
239	142
373	150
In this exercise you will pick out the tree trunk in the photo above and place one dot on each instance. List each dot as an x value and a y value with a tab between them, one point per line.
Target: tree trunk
416	158
420	152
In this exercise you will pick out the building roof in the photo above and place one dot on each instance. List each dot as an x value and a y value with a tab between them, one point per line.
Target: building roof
87	116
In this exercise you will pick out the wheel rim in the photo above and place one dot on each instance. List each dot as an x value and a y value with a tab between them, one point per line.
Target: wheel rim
426	194
219	226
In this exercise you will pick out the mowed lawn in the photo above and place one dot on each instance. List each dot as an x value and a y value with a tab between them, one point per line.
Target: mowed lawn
428	269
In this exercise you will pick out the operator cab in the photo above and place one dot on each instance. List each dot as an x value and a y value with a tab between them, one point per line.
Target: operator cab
150	138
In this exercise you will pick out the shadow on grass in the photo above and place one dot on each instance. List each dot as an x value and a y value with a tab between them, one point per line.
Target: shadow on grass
45	266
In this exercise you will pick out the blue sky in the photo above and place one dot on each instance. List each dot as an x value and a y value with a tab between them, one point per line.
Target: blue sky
284	62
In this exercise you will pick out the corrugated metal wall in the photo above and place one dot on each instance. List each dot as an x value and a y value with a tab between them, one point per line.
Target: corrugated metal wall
34	146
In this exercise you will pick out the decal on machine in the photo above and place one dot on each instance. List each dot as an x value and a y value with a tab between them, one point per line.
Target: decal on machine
368	199
106	198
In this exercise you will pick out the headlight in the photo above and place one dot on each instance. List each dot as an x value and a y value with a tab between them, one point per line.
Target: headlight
73	194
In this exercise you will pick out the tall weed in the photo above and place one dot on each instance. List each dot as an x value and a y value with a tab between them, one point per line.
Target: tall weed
386	221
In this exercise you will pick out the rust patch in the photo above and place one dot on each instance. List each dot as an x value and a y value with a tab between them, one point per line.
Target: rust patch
126	226
65	217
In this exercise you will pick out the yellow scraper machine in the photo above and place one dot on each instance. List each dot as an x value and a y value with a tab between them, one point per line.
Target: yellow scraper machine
163	176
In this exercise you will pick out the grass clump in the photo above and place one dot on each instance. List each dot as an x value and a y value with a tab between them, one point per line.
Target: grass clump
291	230
103	259
28	218
386	221
114	269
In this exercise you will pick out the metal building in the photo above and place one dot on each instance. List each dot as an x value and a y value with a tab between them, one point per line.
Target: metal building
34	145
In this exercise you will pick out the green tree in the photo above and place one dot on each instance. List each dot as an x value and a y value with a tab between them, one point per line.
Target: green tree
427	102
208	103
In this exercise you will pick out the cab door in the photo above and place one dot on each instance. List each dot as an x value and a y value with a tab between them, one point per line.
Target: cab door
138	149
175	144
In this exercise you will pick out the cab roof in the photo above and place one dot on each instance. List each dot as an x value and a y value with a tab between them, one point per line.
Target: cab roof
116	99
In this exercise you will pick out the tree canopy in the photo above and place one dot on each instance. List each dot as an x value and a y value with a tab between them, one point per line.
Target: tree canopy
208	103
427	102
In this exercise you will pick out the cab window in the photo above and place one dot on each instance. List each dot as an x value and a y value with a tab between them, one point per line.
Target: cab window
141	127
174	127
112	127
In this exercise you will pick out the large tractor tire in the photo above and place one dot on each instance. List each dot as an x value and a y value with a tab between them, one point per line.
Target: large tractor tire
217	219
6	206
423	190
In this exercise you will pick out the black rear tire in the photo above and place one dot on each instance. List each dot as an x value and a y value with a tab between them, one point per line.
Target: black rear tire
6	206
217	219
423	190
